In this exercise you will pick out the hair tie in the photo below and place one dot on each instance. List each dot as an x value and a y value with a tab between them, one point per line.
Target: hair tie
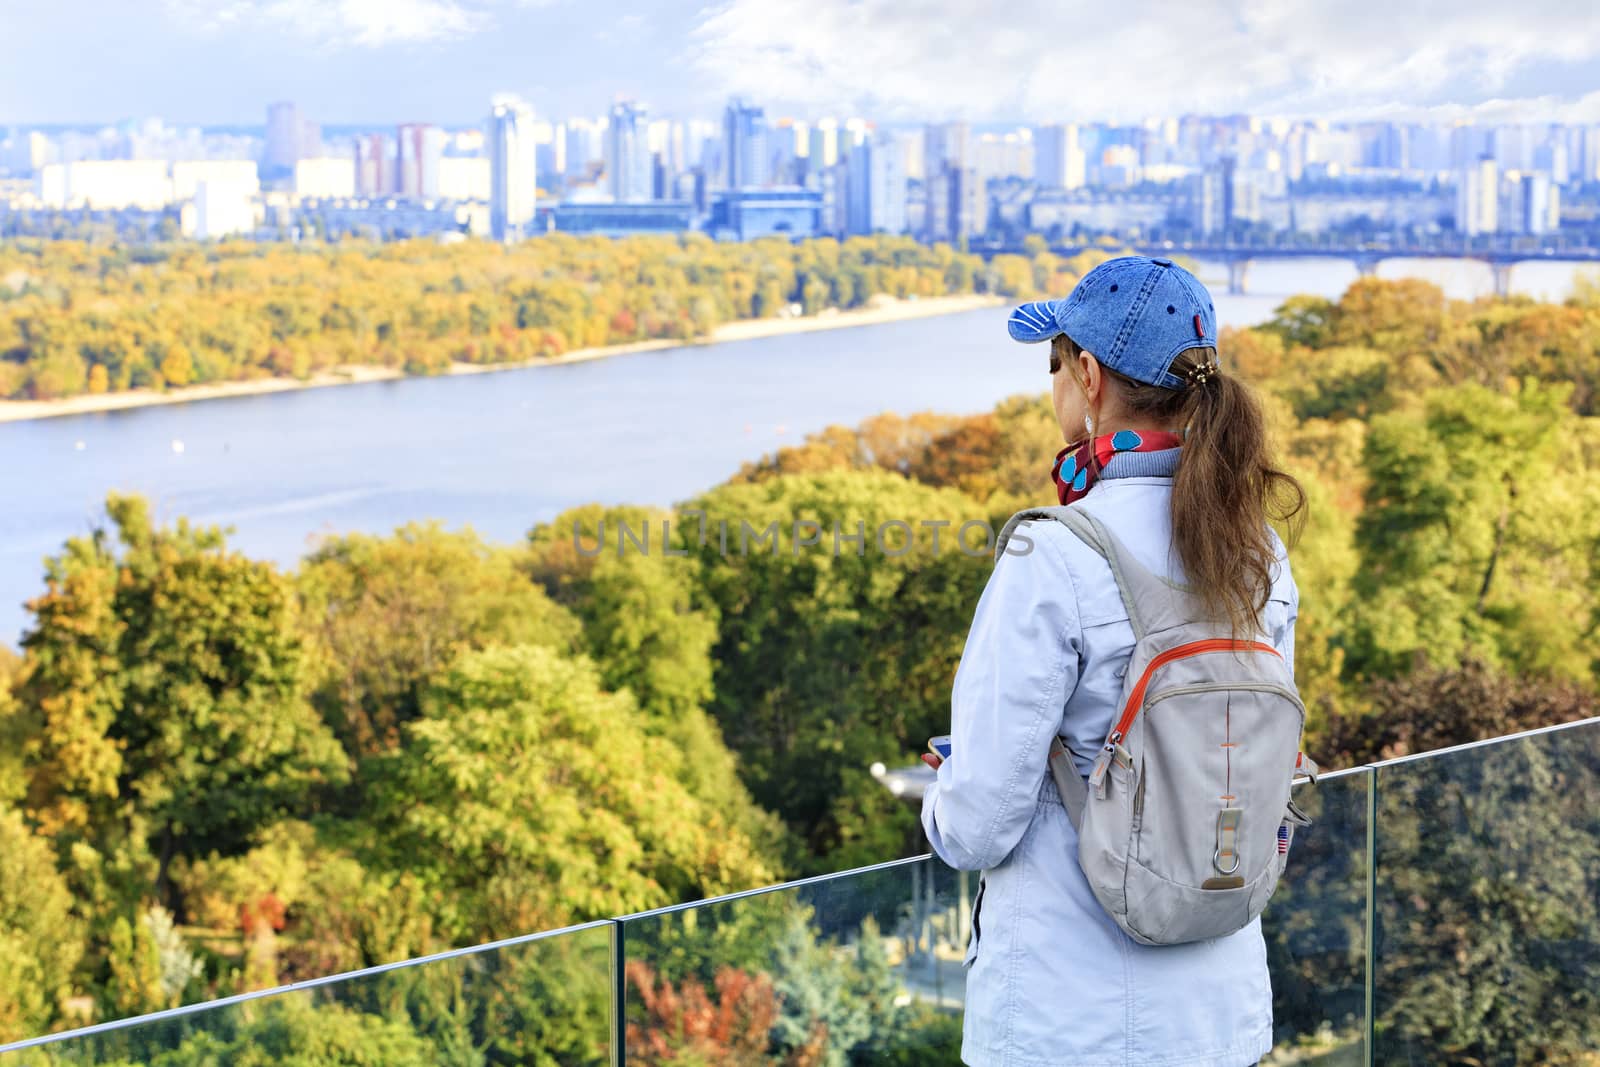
1201	373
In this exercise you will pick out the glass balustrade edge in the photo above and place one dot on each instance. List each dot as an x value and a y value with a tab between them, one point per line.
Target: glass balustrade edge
179	1012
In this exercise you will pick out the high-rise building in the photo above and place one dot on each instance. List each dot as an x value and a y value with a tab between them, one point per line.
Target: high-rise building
1478	197
583	146
958	204
628	168
1512	147
1009	155
547	152
948	142
1118	165
1228	165
374	166
667	140
29	151
1392	146
1058	158
1588	154
513	179
285	132
969	203
310	139
1467	144
824	147
875	179
788	142
1206	201
886	168
857	192
1538	205
833	182
744	134
420	147
283	135
1245	203
936	216
1427	147
1552	157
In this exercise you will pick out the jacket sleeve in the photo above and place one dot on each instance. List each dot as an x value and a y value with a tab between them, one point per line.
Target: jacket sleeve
1020	663
1288	590
1287	644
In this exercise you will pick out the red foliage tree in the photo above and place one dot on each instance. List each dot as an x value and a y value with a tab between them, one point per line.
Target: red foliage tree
730	1030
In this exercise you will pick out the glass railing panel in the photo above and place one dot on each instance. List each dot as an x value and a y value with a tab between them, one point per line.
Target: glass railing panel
540	1000
862	967
1316	929
1487	945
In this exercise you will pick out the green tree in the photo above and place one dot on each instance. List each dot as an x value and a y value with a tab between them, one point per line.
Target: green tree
643	622
528	797
1303	320
1342	382
1481	957
388	613
40	936
625	573
848	995
167	685
1477	535
1437	708
335	914
14	730
294	1031
830	659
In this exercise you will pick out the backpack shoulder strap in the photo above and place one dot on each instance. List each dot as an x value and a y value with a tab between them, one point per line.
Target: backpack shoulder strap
1152	602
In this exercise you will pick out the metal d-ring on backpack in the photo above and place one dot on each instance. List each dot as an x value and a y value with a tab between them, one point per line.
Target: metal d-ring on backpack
1185	821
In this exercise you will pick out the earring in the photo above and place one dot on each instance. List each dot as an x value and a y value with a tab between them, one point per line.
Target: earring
1088	423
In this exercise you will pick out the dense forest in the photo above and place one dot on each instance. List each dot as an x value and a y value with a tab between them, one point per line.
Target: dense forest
78	318
217	775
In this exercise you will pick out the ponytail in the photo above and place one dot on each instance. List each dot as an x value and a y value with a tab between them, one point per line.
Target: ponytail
1226	486
1225	490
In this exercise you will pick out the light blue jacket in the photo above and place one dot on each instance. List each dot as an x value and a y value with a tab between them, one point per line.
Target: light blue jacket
1052	979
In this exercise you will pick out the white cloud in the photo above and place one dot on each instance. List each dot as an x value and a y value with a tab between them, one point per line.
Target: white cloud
1497	110
1041	59
338	23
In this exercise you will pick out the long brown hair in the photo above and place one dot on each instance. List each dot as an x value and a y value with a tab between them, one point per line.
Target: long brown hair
1226	486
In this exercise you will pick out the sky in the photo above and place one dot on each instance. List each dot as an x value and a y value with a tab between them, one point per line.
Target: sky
219	62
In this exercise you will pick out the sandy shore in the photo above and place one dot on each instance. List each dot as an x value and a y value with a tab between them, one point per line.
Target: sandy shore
883	310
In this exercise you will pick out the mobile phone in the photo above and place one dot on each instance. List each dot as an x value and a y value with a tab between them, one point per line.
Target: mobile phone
940	746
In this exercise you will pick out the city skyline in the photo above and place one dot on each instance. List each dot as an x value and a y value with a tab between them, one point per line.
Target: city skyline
354	62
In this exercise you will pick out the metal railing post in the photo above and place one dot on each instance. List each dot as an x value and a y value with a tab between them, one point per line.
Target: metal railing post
619	994
1372	911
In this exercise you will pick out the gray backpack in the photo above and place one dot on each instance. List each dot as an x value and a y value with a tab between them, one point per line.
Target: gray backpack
1185	821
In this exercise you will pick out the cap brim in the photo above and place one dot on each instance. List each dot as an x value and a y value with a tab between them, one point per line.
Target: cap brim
1033	322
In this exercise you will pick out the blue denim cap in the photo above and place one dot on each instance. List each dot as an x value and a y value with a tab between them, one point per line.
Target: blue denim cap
1134	314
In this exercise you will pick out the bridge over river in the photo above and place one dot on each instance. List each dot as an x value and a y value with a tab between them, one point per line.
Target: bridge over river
1500	255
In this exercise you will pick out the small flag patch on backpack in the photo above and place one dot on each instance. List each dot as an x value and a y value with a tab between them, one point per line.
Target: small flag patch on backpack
1283	839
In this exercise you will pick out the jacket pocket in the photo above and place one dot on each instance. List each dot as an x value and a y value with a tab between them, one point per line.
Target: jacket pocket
973	935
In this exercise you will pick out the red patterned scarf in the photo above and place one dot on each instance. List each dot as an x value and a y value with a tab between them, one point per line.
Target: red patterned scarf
1077	466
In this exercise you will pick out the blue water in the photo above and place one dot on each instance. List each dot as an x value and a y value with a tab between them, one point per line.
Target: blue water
497	451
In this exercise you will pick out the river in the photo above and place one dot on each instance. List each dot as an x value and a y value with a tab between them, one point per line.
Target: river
502	451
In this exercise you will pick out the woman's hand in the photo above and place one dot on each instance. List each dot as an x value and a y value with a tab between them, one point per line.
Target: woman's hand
931	760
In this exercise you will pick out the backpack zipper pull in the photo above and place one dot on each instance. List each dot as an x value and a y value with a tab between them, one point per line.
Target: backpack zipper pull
1102	763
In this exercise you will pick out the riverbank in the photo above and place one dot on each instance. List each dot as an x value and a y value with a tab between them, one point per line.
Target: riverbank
883	309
